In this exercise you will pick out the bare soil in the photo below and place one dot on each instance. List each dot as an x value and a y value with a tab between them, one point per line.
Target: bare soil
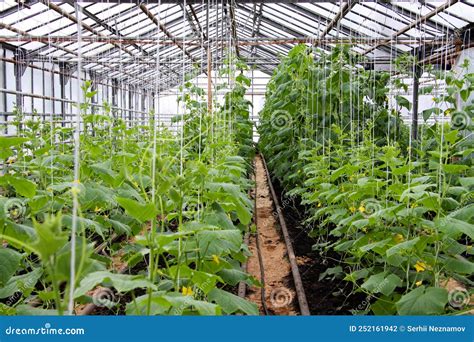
280	297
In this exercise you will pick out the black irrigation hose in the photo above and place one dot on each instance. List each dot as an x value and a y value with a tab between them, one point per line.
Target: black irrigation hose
303	303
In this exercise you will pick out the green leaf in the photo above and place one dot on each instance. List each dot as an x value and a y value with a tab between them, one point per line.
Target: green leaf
385	305
22	186
234	276
10	260
456	227
23	283
379	283
6	143
180	303
142	212
231	303
403	102
454	168
428	112
426	90
49	237
423	301
219	241
460	265
402	247
121	282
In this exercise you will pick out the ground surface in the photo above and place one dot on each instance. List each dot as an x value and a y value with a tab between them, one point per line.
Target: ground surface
279	291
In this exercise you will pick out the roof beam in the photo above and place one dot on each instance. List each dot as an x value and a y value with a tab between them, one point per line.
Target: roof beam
436	26
164	30
233	27
345	29
257	19
345	8
413	24
193	12
237	1
15	9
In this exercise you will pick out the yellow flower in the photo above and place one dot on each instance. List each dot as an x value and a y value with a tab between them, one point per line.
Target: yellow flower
216	259
364	230
319	204
352	209
362	209
11	160
97	209
420	266
414	205
399	238
187	291
418	283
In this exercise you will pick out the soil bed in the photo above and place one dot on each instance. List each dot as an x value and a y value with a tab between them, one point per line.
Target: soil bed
280	297
326	296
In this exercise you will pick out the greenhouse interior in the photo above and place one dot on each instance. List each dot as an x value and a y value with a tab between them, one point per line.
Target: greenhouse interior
236	157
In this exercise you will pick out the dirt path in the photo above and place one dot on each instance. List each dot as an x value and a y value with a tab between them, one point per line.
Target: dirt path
279	291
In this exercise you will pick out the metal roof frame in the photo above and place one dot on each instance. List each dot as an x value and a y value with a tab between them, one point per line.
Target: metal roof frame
194	27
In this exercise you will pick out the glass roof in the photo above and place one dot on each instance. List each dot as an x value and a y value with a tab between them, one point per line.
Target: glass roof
126	40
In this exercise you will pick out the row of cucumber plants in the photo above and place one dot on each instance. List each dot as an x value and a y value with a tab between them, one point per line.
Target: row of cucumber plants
399	215
161	215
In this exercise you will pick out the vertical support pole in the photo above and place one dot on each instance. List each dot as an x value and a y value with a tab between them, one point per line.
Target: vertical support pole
4	95
94	99
152	108
417	72
63	69
209	81
19	70
114	97
143	98
43	90
123	91
130	105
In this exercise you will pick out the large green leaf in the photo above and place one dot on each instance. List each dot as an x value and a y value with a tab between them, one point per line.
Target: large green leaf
423	301
142	212
10	260
456	227
231	303
6	143
121	282
49	237
219	241
22	283
381	283
22	186
402	247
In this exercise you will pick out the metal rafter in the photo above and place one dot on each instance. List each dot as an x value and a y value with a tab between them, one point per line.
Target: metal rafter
14	9
413	24
436	26
345	8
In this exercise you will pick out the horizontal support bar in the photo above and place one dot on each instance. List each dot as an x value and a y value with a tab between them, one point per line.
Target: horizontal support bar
224	42
192	2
